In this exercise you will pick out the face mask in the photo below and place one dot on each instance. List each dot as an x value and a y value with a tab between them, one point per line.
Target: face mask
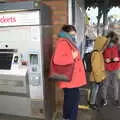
111	44
74	37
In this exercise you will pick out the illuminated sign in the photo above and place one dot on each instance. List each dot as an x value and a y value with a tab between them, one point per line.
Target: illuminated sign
19	18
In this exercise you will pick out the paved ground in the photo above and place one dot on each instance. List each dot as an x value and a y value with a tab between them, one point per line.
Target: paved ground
110	112
8	117
107	113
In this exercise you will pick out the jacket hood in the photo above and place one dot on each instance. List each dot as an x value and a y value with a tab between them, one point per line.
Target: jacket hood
100	43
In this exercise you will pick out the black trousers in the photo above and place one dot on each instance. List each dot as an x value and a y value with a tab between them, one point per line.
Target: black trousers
71	100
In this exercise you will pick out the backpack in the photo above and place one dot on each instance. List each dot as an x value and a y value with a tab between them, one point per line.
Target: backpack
87	61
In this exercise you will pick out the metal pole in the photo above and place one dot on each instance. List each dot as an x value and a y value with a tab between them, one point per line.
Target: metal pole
105	13
98	18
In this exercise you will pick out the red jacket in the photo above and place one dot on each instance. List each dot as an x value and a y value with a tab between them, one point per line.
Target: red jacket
111	53
63	56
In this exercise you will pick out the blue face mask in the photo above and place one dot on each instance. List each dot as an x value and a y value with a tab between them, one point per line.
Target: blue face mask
111	44
73	38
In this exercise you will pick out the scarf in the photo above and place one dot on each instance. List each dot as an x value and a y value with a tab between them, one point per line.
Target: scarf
69	37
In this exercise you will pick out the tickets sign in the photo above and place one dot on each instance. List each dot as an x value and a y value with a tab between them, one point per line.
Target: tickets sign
19	18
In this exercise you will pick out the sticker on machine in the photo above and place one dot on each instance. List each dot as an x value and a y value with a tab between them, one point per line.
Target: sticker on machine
35	33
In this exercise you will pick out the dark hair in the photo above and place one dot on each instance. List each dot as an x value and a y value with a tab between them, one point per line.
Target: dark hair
111	34
68	28
113	37
115	40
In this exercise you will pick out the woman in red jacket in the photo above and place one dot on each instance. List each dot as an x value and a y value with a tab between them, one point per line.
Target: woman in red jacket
112	64
66	53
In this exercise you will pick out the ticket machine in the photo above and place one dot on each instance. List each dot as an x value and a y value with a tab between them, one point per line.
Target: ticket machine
25	51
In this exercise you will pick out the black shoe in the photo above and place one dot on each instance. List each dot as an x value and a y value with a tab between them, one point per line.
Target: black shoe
93	106
116	103
104	102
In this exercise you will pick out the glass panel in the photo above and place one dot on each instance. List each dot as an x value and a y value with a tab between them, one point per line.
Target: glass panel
6	60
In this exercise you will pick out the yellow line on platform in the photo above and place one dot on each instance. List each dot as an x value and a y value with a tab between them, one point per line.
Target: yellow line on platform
83	107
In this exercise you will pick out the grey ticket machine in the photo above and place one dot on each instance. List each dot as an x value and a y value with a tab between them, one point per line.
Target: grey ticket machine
25	52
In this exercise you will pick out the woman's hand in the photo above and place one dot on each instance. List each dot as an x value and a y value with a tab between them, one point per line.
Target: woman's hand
74	54
116	59
107	60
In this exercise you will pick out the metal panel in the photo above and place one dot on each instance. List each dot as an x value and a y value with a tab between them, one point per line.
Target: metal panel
17	6
70	12
45	14
80	24
14	105
49	86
